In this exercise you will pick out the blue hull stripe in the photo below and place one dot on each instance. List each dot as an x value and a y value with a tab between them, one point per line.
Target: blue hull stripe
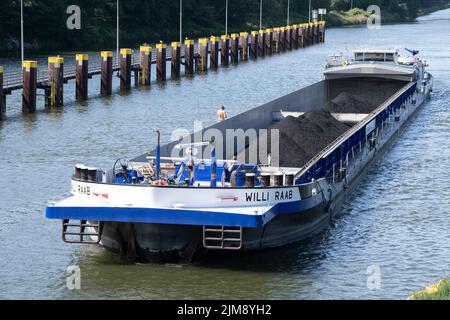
178	216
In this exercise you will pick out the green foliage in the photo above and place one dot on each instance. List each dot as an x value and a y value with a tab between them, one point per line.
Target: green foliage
152	20
439	291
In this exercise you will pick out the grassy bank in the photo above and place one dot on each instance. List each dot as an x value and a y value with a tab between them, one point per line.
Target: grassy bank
438	291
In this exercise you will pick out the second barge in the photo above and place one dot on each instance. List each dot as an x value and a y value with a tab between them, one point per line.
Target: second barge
265	178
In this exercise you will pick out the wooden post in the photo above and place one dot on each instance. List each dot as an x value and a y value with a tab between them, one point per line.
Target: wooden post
289	38
2	97
294	40
282	39
276	40
203	50
29	72
262	43
161	61
145	59
254	45
243	43
189	57
106	73
310	34
301	36
214	52
56	81
225	50
175	65
322	30
234	43
82	76
125	69
269	41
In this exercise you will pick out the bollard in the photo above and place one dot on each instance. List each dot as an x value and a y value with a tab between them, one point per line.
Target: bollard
125	69
322	30
175	66
214	52
225	50
254	45
29	72
282	39
262	43
234	48
301	36
82	76
310	35
106	73
294	40
161	61
55	81
276	40
289	38
189	57
145	60
203	50
318	32
243	44
269	41
2	97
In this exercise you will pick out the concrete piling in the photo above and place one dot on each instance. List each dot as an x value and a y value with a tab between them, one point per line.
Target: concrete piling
262	43
161	61
282	39
2	97
234	48
254	45
225	50
189	57
203	50
214	52
243	44
145	61
82	76
29	72
55	81
106	73
125	69
175	64
269	42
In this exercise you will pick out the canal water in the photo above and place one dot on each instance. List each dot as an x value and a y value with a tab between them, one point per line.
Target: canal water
397	224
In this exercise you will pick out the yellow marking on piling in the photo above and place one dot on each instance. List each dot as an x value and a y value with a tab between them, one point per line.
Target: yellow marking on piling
214	39
81	57
126	51
244	34
262	31
57	60
29	64
234	35
1	69
268	30
225	37
146	49
175	44
160	46
203	41
106	54
254	33
189	42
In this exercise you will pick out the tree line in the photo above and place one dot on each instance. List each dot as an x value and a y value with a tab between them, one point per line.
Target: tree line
45	21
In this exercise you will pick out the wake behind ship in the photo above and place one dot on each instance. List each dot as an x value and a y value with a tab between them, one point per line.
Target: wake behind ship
265	178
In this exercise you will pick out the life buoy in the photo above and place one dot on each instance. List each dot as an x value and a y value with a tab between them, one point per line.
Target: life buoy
344	63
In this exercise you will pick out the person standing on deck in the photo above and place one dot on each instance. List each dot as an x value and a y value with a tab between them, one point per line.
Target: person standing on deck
221	114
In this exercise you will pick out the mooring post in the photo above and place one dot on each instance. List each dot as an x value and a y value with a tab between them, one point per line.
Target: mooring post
125	69
2	97
310	34
29	72
254	45
203	50
289	38
318	32
322	29
294	40
56	81
189	57
214	52
262	43
161	61
269	41
106	73
243	44
175	64
234	44
282	39
276	40
145	60
82	76
304	32
225	50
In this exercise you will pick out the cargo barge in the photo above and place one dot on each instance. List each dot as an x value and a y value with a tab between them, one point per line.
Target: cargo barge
268	177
